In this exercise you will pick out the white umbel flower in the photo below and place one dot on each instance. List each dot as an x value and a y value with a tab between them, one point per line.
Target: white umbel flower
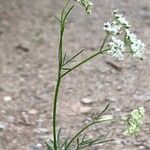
117	48
112	28
87	4
135	121
120	26
131	36
122	20
137	46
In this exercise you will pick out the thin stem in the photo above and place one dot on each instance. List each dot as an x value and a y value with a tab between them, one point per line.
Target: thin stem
84	61
58	82
89	125
57	86
104	41
73	57
60	61
54	111
94	55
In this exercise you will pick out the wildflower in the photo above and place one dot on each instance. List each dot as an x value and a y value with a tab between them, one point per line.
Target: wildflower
112	28
137	46
122	20
86	4
117	48
120	26
135	121
118	23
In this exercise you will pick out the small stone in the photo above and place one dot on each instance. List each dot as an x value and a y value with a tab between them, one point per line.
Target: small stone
142	147
86	101
119	88
41	131
32	112
85	110
38	146
2	126
117	109
7	98
11	119
106	117
111	99
44	137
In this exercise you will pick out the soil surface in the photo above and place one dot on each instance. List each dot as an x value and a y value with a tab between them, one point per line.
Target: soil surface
28	71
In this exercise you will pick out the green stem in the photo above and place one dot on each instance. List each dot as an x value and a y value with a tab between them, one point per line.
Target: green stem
89	58
60	61
89	125
55	110
84	61
62	27
104	41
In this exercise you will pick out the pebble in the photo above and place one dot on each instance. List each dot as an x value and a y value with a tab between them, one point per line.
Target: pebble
118	88
2	126
11	119
142	147
44	137
41	131
117	109
86	101
7	98
106	117
33	112
85	110
111	99
38	146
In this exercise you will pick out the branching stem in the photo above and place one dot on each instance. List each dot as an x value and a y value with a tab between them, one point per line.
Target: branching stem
62	22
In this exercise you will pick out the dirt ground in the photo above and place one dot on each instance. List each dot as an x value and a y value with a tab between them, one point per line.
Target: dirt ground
28	61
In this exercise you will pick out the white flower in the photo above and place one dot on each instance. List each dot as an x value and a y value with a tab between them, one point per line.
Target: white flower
122	20
120	26
131	36
86	4
117	48
112	28
115	11
137	46
135	121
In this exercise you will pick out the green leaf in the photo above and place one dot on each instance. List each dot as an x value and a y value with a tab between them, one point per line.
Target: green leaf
71	59
48	146
57	19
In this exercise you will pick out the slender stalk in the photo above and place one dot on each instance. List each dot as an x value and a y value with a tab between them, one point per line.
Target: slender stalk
89	125
60	61
62	27
55	110
94	55
84	61
104	41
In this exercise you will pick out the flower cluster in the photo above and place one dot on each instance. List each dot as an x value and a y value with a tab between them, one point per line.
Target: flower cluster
132	44
86	4
117	47
136	46
122	20
113	27
135	121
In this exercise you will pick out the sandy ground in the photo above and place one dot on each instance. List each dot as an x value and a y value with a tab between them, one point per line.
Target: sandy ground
28	61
